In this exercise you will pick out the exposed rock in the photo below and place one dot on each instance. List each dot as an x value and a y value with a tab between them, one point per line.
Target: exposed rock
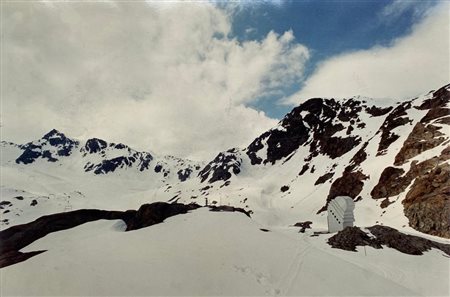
378	111
440	98
5	203
229	209
59	143
422	137
322	179
408	244
141	159
94	145
184	174
155	213
13	257
351	237
395	119
427	204
303	226
385	203
349	184
358	158
312	123
435	113
158	168
338	146
304	169
391	183
254	147
284	188
220	167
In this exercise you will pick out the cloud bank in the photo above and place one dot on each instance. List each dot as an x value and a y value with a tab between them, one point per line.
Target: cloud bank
161	77
410	66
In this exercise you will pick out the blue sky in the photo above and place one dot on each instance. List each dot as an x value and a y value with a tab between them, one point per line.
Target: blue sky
327	28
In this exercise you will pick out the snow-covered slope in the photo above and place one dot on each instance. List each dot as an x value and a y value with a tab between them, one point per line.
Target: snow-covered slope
211	254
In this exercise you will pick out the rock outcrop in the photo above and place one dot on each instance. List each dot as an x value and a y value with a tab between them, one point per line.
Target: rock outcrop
422	138
427	204
351	237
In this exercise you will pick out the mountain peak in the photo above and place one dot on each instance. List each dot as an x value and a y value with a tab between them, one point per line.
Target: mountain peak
54	134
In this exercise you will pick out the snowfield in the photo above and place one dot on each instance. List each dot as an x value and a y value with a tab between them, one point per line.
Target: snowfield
209	253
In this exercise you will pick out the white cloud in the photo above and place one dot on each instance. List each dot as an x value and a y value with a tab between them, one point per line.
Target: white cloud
398	7
164	77
410	66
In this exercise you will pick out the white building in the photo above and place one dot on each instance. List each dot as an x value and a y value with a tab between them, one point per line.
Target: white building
340	213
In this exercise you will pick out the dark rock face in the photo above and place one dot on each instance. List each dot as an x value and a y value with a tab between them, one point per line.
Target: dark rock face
358	158
337	146
303	226
349	184
184	174
155	213
284	188
229	209
62	146
393	181
322	179
13	257
31	153
140	159
427	204
422	138
351	237
304	169
440	98
254	147
5	203
395	119
220	167
390	183
158	168
95	145
311	123
377	111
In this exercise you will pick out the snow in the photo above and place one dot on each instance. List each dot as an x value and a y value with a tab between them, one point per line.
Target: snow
206	253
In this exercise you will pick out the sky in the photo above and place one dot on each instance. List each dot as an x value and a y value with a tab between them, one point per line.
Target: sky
195	78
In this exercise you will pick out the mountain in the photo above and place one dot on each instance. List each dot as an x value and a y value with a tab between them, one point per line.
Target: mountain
56	173
384	154
75	211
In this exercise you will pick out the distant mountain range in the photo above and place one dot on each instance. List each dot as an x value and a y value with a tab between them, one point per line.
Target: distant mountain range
391	157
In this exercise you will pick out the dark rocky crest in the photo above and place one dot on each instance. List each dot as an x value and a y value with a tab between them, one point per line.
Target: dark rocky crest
94	145
222	167
51	146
